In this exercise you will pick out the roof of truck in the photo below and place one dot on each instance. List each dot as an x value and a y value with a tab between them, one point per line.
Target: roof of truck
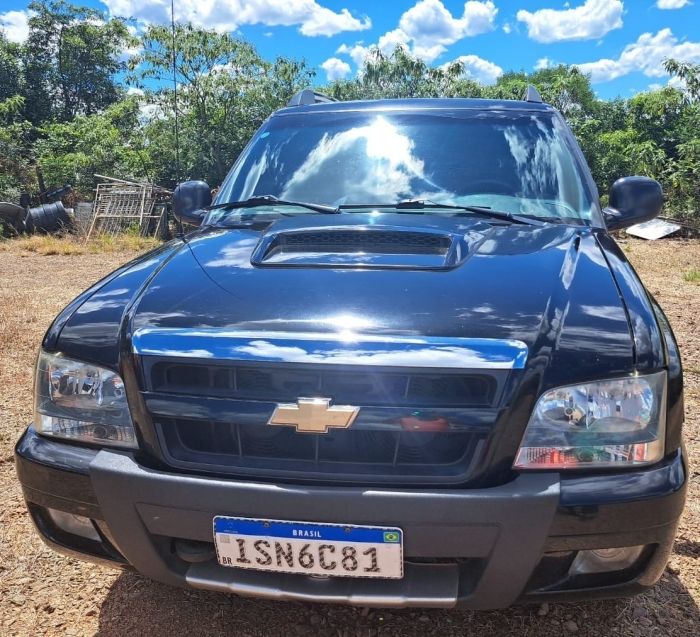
445	104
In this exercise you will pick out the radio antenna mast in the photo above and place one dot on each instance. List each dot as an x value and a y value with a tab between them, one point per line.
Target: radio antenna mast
177	127
180	228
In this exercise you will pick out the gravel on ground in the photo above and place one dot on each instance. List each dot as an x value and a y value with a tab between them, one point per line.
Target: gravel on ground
43	593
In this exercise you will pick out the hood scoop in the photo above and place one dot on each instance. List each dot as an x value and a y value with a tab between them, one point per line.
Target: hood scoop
361	245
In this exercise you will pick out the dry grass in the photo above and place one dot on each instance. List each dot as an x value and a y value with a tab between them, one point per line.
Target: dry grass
42	593
49	245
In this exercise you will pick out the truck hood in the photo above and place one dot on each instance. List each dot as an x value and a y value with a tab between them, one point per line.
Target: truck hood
548	286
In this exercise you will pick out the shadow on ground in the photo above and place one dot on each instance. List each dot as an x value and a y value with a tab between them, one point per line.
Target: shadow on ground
688	548
137	606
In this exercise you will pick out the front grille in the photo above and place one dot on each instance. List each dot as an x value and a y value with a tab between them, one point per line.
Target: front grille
339	455
416	425
277	383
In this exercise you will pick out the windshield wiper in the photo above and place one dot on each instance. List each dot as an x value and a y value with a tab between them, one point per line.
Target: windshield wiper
423	204
270	200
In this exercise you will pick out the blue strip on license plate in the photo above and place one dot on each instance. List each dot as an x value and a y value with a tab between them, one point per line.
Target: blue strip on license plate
310	531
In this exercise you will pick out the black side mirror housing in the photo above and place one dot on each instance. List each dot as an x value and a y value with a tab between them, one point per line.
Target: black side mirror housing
633	200
189	201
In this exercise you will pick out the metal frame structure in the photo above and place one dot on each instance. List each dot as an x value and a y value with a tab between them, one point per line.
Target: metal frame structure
120	204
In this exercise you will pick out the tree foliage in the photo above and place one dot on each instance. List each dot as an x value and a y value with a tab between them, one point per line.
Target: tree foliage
226	90
70	60
10	69
106	143
15	148
400	76
688	74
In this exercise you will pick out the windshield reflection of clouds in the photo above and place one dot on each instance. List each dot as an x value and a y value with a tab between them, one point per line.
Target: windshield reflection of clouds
542	164
518	164
383	174
257	170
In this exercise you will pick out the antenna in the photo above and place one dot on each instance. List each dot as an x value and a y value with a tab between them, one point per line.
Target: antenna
532	95
177	126
181	230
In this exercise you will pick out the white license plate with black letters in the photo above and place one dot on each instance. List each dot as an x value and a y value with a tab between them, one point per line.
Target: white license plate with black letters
310	548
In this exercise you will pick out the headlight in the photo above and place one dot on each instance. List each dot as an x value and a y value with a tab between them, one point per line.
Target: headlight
611	423
82	402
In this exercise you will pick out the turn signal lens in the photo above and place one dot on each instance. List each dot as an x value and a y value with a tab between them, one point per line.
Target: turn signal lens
74	524
619	422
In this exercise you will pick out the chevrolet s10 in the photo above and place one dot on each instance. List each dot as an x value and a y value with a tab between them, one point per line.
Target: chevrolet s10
400	362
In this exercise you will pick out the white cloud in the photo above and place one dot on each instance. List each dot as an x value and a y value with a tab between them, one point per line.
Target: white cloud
543	63
335	69
312	18
676	82
428	22
476	68
150	112
15	25
646	55
323	21
357	53
671	4
591	20
507	28
428	28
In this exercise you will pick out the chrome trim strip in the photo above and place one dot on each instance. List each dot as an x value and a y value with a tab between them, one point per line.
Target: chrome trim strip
343	348
427	586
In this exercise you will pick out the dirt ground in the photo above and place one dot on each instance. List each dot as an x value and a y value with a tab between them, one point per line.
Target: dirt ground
43	593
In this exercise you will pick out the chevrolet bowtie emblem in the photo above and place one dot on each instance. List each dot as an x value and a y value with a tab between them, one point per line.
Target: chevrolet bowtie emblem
314	415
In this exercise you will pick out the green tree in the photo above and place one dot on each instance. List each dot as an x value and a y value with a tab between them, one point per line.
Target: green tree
10	68
563	87
688	72
107	143
225	91
399	75
613	157
71	58
684	180
659	116
15	149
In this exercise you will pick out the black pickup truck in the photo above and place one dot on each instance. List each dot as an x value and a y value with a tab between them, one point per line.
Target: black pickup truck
401	362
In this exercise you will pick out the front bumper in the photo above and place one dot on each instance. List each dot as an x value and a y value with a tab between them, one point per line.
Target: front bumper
477	548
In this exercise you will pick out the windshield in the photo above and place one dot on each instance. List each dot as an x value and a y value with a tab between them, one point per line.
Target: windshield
519	163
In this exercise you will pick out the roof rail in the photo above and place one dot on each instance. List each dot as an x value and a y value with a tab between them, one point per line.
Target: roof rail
309	96
532	94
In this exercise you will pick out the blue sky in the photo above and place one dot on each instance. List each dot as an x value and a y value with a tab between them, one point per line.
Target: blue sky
620	43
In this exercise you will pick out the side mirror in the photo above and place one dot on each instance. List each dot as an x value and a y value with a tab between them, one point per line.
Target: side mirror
189	200
633	200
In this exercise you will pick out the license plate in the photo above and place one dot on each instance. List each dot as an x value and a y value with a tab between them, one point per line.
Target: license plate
310	548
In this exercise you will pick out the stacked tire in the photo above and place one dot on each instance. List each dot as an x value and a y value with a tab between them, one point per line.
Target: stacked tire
12	218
